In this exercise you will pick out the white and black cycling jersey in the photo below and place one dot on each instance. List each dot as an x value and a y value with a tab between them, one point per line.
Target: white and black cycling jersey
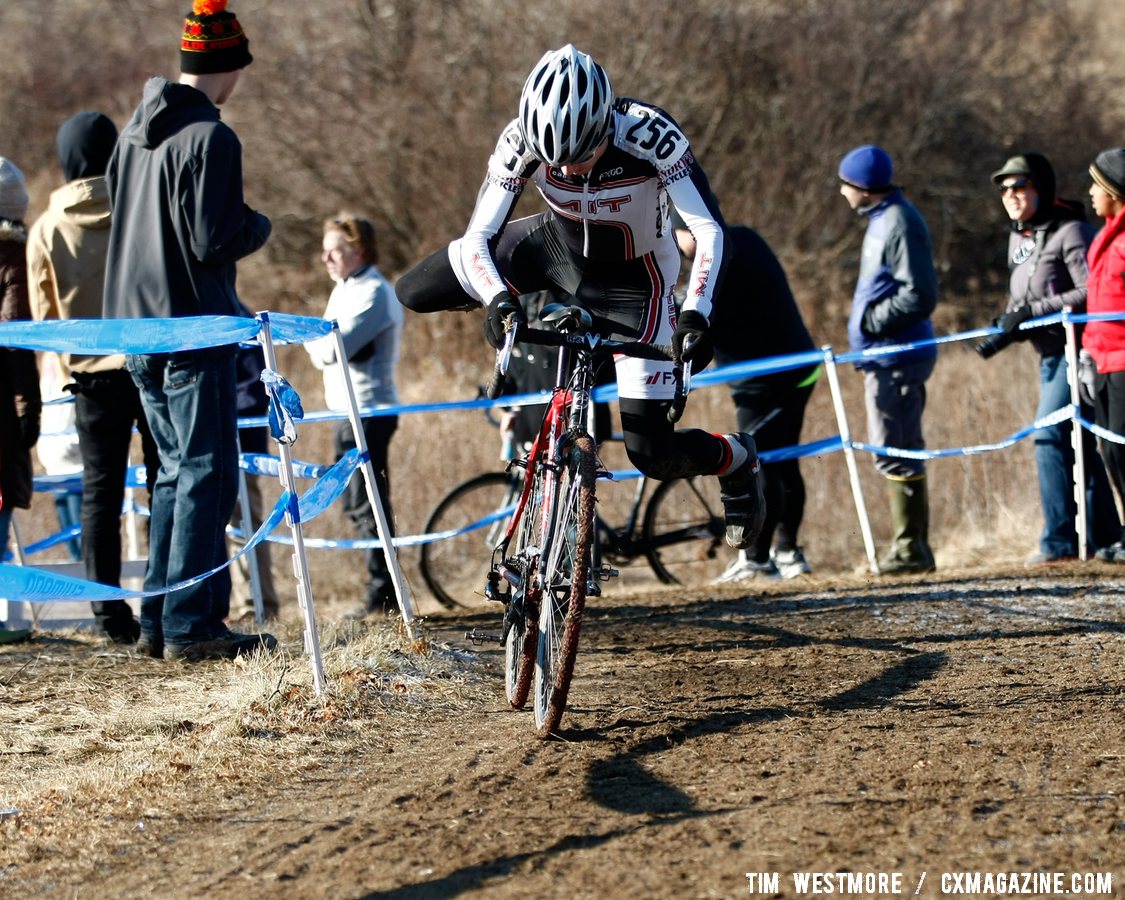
619	211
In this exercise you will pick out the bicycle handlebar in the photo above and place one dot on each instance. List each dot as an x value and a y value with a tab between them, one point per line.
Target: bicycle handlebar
662	352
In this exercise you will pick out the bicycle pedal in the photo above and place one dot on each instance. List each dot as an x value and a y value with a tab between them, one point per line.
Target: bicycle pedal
482	637
604	573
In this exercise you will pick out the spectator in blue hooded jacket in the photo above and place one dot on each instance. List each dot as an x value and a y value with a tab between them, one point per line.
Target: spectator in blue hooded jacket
894	296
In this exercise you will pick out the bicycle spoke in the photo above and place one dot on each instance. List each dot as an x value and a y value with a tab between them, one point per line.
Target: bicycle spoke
454	568
683	532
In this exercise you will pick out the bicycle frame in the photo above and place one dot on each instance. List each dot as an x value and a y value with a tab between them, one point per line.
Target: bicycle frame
567	411
545	556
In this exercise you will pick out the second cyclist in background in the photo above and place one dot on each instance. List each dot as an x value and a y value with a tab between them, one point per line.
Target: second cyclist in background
756	316
611	171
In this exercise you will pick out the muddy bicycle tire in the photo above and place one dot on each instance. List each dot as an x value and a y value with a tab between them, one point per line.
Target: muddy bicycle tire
564	574
522	640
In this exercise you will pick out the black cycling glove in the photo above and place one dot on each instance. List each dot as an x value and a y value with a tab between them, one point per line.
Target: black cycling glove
503	306
692	340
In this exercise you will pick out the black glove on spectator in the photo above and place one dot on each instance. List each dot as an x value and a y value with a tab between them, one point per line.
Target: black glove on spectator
692	341
1010	322
503	306
29	430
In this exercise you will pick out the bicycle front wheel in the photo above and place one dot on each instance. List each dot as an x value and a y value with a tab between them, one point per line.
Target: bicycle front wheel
564	571
456	567
683	531
521	616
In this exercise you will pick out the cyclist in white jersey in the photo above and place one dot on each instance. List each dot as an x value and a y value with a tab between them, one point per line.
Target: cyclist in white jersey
610	171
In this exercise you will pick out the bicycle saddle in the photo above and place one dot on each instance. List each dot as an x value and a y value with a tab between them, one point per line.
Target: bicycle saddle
567	319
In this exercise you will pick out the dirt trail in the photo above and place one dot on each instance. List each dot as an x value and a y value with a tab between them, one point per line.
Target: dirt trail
963	725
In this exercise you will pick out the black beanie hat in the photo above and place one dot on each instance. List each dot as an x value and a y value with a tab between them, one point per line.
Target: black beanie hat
85	142
213	41
1108	171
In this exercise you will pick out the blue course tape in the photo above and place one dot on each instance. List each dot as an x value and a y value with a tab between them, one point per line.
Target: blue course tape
100	337
170	335
33	585
1062	414
37	586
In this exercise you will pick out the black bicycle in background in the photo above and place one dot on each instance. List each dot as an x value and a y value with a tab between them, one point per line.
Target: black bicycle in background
676	526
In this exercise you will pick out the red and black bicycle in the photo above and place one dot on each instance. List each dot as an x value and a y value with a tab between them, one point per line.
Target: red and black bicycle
542	566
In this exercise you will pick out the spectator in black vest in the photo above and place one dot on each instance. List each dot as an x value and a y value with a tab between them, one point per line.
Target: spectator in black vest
755	317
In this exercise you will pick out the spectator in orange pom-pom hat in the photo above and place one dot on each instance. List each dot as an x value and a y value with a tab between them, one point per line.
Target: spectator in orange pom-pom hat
213	40
179	227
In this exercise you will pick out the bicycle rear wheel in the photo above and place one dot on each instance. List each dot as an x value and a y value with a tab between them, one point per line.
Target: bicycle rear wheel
455	568
683	531
564	572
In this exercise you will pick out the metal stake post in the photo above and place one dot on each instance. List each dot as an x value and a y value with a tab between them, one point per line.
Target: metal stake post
248	526
1076	436
300	560
849	456
381	525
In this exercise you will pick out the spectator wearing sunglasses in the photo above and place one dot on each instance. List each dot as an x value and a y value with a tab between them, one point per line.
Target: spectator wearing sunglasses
1047	245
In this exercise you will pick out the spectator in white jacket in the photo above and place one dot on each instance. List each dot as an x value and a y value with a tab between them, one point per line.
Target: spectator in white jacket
364	305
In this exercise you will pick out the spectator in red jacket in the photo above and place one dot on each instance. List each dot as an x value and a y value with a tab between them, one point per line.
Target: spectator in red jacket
1105	341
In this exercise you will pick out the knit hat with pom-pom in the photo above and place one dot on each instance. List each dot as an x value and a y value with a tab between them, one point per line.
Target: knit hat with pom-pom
213	41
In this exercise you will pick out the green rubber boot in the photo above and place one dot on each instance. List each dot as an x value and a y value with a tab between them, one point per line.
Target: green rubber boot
14	635
910	551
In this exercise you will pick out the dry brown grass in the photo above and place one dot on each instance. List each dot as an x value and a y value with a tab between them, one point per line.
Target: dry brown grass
81	724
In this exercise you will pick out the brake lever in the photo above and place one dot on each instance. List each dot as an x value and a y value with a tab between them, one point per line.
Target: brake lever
503	361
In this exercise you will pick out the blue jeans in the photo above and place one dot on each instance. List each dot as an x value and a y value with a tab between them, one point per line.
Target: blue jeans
1054	459
68	508
190	403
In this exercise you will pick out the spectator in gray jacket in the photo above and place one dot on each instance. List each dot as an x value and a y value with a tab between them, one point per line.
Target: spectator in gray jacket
179	227
894	296
1047	243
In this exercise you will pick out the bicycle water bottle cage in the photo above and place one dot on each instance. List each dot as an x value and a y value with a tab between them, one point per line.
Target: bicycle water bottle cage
567	319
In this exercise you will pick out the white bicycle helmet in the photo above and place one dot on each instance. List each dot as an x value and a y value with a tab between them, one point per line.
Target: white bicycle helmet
565	107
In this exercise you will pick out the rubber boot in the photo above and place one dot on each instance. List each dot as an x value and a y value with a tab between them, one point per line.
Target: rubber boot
910	513
14	635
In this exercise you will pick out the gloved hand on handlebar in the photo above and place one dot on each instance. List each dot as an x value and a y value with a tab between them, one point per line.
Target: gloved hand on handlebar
503	306
692	340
